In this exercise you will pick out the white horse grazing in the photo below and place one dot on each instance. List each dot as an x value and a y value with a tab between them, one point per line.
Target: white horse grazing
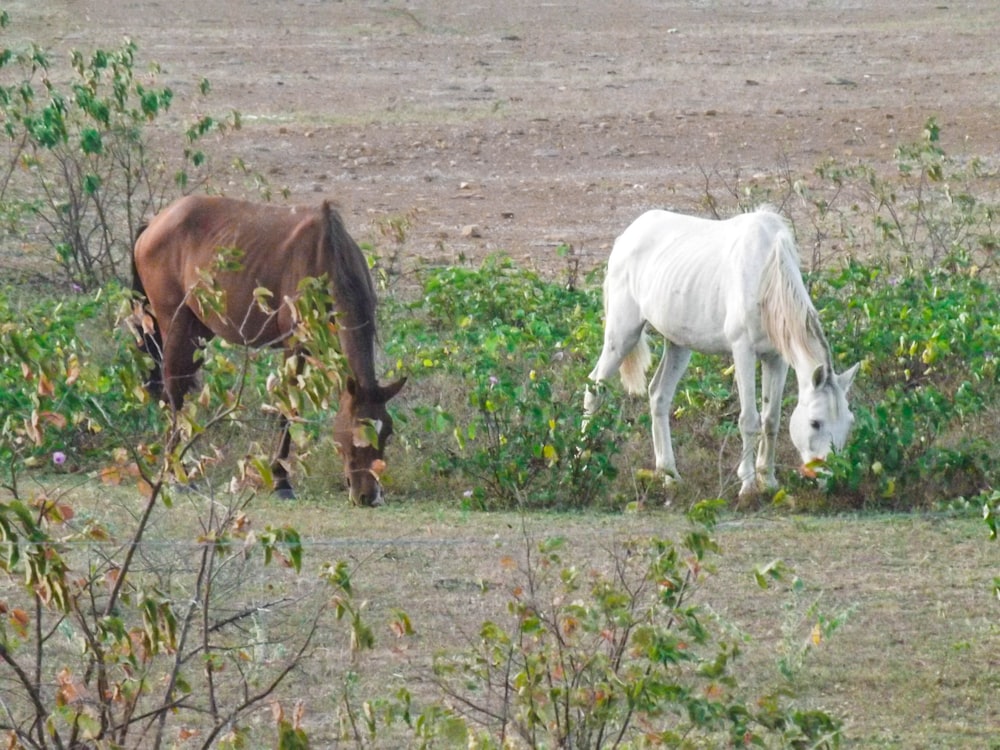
716	287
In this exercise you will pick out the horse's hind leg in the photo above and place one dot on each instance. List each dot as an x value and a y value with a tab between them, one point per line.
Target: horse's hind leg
282	485
773	372
661	396
622	333
150	342
184	336
148	330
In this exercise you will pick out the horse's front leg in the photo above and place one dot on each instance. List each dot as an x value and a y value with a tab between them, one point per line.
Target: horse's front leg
745	365
773	372
661	397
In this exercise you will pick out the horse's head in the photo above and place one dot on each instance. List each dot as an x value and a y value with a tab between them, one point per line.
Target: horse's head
822	419
360	432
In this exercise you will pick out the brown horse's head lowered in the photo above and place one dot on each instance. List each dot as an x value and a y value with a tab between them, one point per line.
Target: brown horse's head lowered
360	432
278	247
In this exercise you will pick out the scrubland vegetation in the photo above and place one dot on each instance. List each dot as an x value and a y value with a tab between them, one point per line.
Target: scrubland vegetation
135	614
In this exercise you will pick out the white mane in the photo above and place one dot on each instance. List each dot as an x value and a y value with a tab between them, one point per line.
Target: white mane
787	314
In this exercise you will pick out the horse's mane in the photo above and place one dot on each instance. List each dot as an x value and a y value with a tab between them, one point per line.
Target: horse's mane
787	314
353	289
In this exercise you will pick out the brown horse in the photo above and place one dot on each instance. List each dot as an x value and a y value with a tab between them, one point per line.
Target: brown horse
277	248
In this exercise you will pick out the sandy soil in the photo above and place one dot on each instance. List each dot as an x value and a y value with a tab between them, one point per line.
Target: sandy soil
544	124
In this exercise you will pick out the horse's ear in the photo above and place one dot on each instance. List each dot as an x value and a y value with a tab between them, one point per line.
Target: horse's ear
819	376
846	378
388	391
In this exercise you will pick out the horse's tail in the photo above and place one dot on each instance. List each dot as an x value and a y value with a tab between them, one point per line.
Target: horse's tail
637	360
634	366
149	338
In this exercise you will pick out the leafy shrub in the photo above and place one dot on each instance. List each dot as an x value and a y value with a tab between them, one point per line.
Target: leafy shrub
57	391
78	158
928	340
108	640
617	654
521	347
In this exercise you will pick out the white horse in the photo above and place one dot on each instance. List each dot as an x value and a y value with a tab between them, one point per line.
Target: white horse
716	287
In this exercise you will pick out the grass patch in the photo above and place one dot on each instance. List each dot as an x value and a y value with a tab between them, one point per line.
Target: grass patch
909	666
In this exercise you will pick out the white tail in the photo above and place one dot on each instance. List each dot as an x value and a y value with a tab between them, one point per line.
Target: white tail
634	366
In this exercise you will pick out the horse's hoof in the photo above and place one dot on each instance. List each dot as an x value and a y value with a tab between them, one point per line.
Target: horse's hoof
285	493
671	481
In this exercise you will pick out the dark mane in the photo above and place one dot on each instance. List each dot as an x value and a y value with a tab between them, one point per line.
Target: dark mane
353	289
354	296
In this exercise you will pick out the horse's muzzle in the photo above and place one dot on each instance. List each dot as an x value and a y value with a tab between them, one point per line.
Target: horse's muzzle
812	469
367	490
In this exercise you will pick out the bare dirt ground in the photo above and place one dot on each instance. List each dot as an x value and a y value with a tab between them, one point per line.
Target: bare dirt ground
551	123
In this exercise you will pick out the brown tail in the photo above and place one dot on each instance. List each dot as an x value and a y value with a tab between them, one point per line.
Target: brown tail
150	338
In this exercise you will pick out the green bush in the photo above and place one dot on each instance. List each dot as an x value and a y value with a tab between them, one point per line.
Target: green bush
78	158
519	347
58	390
903	269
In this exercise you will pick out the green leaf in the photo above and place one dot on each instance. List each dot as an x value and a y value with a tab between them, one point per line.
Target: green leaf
365	434
773	571
551	544
91	184
293	543
990	518
90	141
291	738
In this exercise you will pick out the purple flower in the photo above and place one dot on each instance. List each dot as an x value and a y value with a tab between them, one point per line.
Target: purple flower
494	380
58	458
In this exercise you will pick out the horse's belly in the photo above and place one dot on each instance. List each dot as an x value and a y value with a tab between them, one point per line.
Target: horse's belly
248	325
692	316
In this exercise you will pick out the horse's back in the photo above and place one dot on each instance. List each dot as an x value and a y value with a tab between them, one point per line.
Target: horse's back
273	247
201	224
695	280
666	233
